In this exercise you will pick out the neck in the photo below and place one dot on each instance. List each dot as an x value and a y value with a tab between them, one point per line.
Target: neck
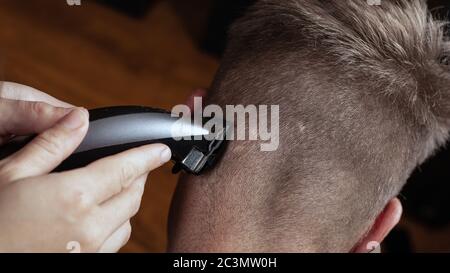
210	216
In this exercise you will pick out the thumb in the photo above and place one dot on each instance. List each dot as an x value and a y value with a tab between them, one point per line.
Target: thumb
26	118
46	151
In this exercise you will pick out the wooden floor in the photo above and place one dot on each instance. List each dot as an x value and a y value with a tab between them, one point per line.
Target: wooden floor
93	56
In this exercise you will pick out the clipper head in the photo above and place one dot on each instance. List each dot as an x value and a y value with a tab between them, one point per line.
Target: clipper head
204	153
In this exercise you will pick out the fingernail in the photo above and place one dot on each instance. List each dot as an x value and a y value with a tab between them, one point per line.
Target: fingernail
75	119
165	155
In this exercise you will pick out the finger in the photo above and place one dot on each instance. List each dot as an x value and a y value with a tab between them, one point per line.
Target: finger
121	207
15	91
45	152
108	177
25	118
117	240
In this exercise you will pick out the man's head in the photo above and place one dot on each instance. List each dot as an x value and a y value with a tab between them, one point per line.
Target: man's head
363	96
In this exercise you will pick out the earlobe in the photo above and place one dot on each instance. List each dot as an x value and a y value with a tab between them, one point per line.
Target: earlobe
384	223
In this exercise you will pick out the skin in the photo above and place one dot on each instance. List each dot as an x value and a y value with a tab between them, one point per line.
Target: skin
42	211
192	207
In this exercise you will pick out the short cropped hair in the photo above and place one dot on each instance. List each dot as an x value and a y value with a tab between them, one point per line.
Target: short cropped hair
364	96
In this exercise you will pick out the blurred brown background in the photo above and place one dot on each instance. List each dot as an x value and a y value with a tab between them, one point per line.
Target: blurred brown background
92	55
150	53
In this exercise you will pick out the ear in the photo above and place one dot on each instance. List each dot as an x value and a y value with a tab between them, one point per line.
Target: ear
196	93
384	223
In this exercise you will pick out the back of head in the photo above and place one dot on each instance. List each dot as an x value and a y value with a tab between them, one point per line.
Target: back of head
363	95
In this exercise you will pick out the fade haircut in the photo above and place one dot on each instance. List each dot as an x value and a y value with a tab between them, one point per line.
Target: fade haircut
364	98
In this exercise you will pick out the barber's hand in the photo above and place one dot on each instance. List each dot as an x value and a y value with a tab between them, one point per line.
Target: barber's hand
16	91
88	207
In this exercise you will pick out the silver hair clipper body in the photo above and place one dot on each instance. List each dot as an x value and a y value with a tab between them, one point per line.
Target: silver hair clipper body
116	129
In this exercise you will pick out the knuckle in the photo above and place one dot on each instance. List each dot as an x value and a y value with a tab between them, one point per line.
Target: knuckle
77	201
135	207
127	172
39	109
136	204
127	232
49	142
128	228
